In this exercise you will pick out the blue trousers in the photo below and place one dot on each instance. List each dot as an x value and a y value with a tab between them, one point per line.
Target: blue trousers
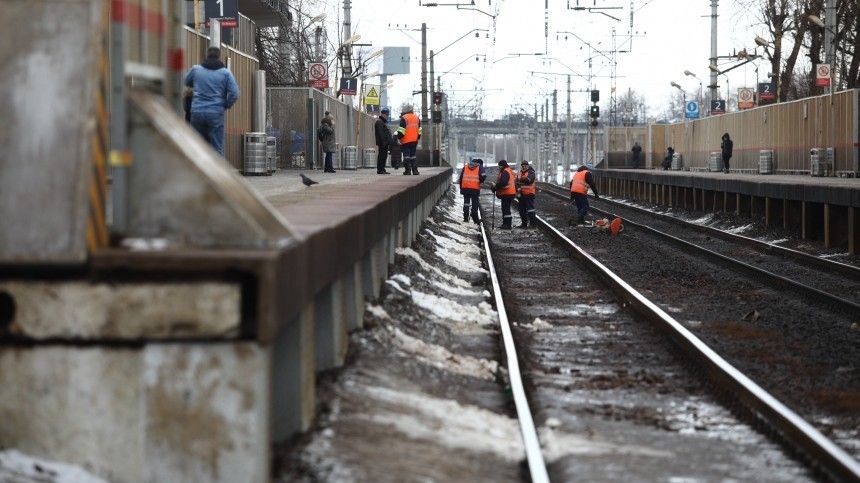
210	125
471	204
328	162
581	205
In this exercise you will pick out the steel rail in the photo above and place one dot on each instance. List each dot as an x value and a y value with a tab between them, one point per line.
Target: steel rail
531	442
841	304
762	245
834	461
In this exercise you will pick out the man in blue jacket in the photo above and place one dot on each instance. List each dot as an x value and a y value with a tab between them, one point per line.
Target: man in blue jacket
215	90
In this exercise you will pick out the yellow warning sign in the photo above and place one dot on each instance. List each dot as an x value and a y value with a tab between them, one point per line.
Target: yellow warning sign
371	95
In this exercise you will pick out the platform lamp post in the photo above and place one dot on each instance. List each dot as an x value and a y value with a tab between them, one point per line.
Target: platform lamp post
716	70
774	76
690	74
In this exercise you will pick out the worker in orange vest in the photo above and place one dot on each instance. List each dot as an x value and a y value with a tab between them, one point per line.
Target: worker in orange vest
408	134
582	180
471	177
526	189
505	189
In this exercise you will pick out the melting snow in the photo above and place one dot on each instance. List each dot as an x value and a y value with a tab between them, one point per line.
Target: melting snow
442	358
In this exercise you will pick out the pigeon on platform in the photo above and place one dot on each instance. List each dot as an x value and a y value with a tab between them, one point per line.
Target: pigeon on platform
307	181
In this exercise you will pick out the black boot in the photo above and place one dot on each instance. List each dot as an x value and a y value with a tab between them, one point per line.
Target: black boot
524	224
465	216
506	224
533	221
475	219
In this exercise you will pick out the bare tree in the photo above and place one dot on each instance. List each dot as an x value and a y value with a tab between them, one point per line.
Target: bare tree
286	51
791	37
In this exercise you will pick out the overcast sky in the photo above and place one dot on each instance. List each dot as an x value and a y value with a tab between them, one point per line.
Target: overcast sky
668	36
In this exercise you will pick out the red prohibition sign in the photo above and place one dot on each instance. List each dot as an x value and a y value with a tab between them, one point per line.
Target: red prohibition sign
317	71
824	71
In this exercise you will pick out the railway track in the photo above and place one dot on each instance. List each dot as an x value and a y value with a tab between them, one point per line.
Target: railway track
619	382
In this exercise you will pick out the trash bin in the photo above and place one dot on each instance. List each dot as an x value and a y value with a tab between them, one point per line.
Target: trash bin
765	162
271	154
820	161
350	157
369	158
254	154
715	164
677	162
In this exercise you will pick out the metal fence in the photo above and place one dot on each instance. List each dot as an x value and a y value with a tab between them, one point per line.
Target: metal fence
295	113
789	129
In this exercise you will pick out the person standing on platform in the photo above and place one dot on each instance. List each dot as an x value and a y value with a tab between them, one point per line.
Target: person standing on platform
407	136
325	134
726	150
215	91
383	140
471	177
582	180
526	186
637	151
505	189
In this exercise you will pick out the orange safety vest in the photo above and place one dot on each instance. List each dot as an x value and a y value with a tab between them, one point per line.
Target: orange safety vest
471	178
578	185
410	134
526	189
510	188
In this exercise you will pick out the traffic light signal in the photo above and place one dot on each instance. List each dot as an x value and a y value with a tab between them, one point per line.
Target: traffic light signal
595	111
595	96
437	98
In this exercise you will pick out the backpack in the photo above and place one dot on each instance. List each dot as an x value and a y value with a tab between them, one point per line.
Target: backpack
319	134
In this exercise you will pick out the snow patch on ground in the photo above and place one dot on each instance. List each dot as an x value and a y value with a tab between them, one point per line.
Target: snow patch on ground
740	229
17	467
442	358
377	312
449	423
408	252
445	309
538	324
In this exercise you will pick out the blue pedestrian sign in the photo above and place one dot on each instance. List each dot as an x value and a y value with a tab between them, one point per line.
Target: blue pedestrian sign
692	110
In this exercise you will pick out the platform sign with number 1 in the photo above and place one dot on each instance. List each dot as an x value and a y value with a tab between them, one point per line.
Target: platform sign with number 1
692	111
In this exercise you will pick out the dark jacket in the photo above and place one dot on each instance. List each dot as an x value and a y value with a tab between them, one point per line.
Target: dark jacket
636	149
727	146
383	134
667	160
329	145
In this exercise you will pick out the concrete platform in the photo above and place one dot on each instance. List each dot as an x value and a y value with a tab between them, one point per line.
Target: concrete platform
174	384
824	208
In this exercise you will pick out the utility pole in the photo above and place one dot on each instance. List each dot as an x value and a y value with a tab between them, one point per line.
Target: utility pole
431	126
424	82
346	67
567	146
713	86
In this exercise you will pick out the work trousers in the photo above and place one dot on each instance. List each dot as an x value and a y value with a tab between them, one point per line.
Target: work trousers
381	158
210	125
